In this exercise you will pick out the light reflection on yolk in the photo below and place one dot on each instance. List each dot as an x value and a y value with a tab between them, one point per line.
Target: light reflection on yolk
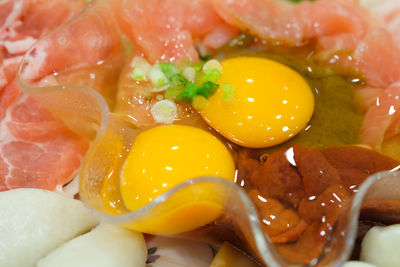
272	103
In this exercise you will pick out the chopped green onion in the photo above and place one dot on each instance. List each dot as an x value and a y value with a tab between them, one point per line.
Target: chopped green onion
172	74
157	77
207	89
212	64
138	74
179	79
205	57
212	75
169	70
151	250
188	93
189	73
140	67
228	92
173	91
198	66
164	111
199	102
183	82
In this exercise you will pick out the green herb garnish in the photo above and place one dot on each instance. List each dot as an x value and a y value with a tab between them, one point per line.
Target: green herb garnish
151	250
187	95
212	75
207	89
205	57
198	66
182	83
138	74
228	92
173	91
179	79
169	70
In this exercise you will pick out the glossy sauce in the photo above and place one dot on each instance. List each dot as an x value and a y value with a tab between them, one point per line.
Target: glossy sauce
299	192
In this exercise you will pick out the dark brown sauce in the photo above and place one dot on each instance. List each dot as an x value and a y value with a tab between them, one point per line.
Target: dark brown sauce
299	192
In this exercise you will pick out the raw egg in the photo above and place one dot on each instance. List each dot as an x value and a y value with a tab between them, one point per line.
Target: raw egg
271	103
165	156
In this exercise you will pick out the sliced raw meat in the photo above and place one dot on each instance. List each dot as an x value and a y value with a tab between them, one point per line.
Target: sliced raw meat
34	18
43	16
336	24
164	30
380	116
9	69
83	42
23	22
394	128
294	23
370	95
36	150
378	58
389	13
338	42
7	97
220	36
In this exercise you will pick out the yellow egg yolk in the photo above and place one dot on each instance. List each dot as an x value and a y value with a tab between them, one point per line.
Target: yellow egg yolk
271	104
165	156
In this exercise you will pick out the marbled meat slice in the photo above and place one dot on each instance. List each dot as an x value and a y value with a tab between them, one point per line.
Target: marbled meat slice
36	150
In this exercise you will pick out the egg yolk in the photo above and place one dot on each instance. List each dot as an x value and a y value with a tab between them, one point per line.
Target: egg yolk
271	104
165	156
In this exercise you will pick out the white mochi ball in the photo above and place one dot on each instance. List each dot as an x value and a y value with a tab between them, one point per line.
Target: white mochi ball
34	222
105	246
381	246
358	264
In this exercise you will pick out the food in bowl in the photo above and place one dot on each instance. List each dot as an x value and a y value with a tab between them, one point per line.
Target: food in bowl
288	100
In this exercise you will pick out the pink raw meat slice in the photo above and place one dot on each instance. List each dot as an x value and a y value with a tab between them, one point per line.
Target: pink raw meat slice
164	30
81	43
36	150
42	16
36	17
294	23
381	116
388	11
370	94
378	58
219	36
